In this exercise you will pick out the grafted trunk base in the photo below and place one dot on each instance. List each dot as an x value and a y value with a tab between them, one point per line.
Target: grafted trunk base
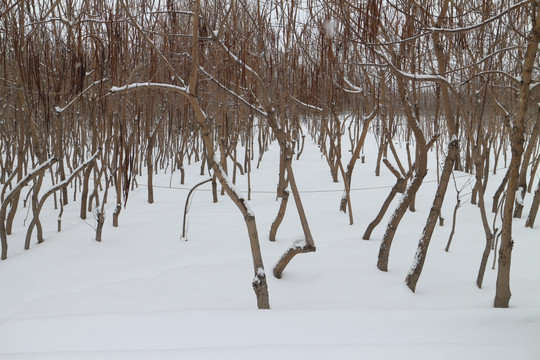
289	254
279	217
520	194
100	221
261	290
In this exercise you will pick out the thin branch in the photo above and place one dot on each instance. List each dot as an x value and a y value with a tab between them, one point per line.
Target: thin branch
479	25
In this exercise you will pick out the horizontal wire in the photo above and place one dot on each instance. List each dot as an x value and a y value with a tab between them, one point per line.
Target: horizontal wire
303	191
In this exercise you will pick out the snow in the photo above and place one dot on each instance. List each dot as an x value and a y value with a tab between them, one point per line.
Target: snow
233	188
144	294
29	175
60	110
355	89
164	86
330	27
519	196
260	274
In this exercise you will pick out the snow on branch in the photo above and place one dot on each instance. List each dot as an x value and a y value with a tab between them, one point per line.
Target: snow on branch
68	179
168	12
487	57
535	85
230	187
60	110
513	78
415	76
507	118
161	86
355	89
54	19
237	96
267	104
152	44
479	25
29	176
307	106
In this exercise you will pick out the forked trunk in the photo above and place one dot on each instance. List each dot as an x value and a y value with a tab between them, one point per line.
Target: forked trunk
16	192
497	195
399	186
280	215
421	253
305	246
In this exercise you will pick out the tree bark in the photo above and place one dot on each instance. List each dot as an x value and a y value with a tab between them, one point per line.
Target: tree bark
308	244
16	192
356	154
503	293
499	191
479	186
280	215
421	253
39	205
419	174
399	186
534	207
518	210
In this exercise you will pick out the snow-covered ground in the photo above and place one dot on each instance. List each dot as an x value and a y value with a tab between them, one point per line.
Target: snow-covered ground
143	293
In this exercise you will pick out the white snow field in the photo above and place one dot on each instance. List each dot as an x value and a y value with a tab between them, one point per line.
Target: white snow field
144	293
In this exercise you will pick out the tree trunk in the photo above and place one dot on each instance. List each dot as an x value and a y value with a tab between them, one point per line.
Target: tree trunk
356	154
16	192
499	191
35	212
150	168
399	186
479	186
421	253
503	293
84	194
525	166
39	205
454	217
307	245
280	215
419	174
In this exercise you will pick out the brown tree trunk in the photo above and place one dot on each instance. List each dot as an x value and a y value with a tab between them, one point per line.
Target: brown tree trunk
305	246
35	212
280	215
454	218
503	293
419	174
16	192
421	253
100	213
479	186
150	168
356	154
84	194
500	189
533	174
398	187
525	166
39	205
534	208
